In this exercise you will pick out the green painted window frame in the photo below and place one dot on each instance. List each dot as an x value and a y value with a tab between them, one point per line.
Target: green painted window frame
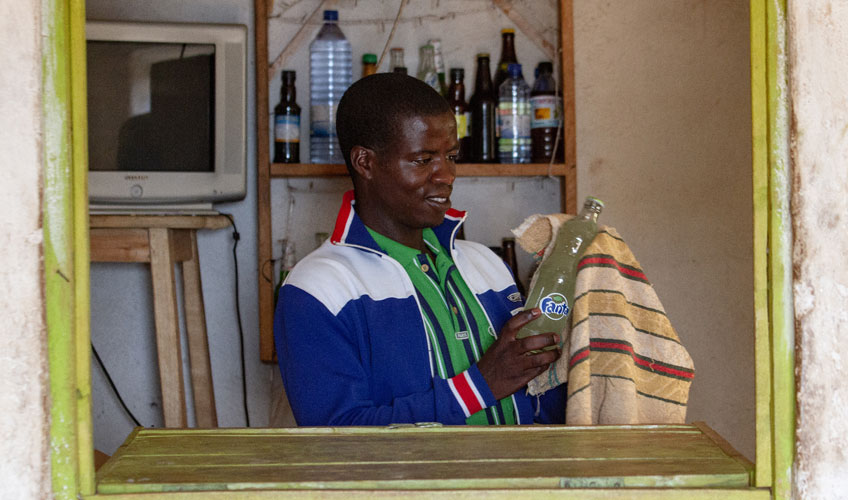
66	263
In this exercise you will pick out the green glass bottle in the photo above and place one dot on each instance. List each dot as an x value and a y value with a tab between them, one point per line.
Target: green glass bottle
553	291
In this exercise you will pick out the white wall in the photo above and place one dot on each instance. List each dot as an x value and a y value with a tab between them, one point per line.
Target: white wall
24	433
121	296
663	136
663	119
818	44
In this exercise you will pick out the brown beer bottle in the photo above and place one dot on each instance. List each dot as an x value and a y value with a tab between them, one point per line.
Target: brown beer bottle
369	64
507	56
287	123
483	104
456	99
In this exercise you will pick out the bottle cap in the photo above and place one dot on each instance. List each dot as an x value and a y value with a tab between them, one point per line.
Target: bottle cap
514	69
507	30
369	58
288	75
591	200
483	54
457	73
331	15
545	66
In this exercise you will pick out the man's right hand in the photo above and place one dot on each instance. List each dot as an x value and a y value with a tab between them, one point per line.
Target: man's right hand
509	364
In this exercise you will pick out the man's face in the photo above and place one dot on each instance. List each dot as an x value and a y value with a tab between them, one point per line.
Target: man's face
414	176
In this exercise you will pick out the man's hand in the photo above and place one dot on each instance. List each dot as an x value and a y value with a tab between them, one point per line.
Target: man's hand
508	364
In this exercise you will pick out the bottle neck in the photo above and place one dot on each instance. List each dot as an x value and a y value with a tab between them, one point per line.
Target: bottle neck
456	91
288	93
508	49
589	214
484	79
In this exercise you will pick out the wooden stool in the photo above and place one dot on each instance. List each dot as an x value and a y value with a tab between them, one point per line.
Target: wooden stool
162	240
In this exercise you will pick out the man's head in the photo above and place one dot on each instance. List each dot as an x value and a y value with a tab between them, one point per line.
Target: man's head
400	144
371	109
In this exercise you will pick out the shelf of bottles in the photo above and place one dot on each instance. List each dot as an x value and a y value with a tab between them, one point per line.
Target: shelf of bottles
462	170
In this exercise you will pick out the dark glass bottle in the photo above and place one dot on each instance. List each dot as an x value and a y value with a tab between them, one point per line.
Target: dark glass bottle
483	106
397	65
287	123
508	255
507	56
461	111
546	117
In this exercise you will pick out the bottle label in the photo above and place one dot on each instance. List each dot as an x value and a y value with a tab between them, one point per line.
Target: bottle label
431	78
322	118
514	120
545	111
554	306
463	124
286	128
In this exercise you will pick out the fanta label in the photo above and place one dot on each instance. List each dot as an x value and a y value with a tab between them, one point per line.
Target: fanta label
554	306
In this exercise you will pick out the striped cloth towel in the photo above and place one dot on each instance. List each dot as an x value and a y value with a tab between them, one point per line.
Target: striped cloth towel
622	359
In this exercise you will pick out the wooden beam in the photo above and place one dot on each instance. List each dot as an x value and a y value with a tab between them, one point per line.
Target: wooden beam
759	156
305	33
165	221
167	328
569	123
120	245
526	27
263	186
198	345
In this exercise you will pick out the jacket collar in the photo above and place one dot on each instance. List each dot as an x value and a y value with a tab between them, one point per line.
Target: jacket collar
351	231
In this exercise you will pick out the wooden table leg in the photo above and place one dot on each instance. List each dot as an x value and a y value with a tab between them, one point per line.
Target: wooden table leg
198	345
167	327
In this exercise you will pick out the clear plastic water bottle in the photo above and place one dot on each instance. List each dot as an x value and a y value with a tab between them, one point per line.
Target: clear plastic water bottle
330	74
514	118
553	289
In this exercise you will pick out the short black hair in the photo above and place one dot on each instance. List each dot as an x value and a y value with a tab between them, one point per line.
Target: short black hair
370	109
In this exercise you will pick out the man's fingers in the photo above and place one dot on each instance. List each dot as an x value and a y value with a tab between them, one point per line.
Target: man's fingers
536	342
541	360
518	321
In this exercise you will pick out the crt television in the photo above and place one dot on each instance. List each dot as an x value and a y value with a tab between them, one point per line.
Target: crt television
166	115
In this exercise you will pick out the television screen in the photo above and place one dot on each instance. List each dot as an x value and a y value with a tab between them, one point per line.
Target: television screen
151	106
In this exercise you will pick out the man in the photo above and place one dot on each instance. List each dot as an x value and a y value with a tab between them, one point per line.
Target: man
393	320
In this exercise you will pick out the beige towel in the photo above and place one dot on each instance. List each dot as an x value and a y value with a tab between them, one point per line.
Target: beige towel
622	359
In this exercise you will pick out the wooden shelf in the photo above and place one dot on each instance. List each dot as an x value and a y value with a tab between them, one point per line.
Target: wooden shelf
462	170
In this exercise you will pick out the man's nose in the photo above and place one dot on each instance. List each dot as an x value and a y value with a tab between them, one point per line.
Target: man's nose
445	172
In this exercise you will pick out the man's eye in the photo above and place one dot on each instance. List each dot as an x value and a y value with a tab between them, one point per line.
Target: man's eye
453	157
421	161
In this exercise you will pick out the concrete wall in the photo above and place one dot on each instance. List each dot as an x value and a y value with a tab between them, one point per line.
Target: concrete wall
24	392
663	137
818	47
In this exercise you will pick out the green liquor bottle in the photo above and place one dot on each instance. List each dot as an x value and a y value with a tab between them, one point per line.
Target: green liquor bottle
553	291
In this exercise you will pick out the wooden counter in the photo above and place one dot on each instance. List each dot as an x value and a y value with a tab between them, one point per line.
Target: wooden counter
408	458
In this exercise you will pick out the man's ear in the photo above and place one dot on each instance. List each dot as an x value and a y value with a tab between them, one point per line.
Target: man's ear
363	161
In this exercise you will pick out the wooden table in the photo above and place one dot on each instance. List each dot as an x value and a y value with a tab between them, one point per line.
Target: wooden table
163	241
362	462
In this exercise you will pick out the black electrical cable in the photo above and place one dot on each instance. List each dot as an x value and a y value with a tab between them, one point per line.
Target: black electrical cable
236	238
112	384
